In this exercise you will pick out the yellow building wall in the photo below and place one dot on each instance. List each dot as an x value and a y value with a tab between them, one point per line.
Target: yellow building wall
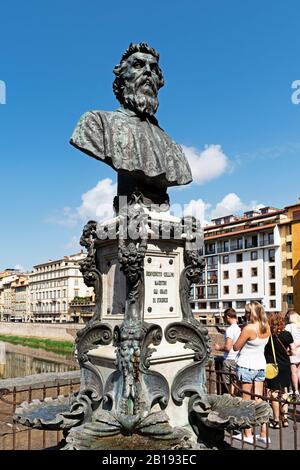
296	263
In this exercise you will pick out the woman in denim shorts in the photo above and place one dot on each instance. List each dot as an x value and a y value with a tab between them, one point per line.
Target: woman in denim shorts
251	362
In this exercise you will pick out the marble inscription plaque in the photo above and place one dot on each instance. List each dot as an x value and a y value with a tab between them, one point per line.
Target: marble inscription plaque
160	285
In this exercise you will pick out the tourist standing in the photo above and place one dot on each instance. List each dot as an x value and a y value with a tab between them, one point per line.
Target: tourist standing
251	362
278	386
230	336
293	326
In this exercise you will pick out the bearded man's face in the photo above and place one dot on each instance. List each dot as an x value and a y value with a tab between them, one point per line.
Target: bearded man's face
142	79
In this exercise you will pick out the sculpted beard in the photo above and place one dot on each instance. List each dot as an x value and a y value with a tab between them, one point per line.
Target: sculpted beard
140	97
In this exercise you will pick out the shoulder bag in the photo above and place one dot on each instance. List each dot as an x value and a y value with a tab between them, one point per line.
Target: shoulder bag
272	368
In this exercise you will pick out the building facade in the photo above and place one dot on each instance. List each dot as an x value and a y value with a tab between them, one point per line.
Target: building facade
54	285
291	257
21	307
81	309
14	297
243	263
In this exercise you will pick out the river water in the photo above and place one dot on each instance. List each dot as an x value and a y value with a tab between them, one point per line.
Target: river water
19	361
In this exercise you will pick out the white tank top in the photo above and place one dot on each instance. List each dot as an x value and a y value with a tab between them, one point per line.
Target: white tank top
295	332
252	354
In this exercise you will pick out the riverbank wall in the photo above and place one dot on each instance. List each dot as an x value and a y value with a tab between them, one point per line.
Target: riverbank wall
38	381
58	332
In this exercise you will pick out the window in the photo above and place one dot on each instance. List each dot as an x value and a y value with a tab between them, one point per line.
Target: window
272	303
240	304
223	246
212	292
251	242
227	305
271	256
239	257
76	292
200	292
253	255
226	290
225	259
210	248
239	288
272	288
239	273
202	306
76	282
266	239
236	244
214	305
212	277
192	305
253	272
212	262
272	272
254	288
225	274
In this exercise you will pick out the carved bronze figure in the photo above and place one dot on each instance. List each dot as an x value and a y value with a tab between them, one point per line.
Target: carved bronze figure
130	139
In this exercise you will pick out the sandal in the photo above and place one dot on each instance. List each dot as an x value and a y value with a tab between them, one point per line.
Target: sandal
285	423
274	424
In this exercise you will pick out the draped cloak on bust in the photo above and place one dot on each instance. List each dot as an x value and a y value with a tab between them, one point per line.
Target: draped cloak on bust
127	142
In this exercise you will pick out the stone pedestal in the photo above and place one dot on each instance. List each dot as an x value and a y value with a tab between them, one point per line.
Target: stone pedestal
167	360
163	264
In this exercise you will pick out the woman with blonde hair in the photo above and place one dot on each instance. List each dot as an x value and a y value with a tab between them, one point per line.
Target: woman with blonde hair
251	362
293	326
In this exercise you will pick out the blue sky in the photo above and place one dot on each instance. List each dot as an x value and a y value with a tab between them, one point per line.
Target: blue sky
228	68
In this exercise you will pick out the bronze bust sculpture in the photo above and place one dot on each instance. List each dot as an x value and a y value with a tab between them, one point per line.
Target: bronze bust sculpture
129	139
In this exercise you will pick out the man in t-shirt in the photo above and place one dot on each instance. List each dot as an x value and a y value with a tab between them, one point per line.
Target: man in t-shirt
231	335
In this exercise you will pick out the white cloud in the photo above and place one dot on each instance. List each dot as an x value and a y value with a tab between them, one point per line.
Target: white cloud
232	204
19	267
73	243
197	208
67	217
204	211
97	203
207	164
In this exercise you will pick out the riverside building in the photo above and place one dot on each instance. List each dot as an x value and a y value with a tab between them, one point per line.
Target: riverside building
14	296
252	257
290	234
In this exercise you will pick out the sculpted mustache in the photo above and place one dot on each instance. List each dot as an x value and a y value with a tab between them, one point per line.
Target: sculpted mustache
142	80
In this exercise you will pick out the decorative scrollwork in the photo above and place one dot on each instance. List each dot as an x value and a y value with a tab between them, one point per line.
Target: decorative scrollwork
190	379
194	265
94	334
155	425
152	334
210	415
90	272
